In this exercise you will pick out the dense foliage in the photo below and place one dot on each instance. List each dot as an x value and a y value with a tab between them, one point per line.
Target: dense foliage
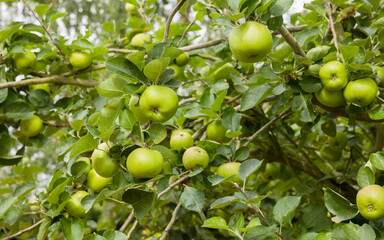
120	134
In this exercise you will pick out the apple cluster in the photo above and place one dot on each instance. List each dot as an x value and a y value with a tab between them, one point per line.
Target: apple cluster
336	88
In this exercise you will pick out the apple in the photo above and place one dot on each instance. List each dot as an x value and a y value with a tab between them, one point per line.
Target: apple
134	106
224	72
145	163
361	92
271	171
74	207
195	156
97	182
228	170
80	60
329	154
31	127
129	6
176	69
339	142
181	140
186	130
158	103
139	39
370	202
379	76
42	86
314	70
216	132
104	165
333	76
24	62
250	41
330	98
182	59
86	160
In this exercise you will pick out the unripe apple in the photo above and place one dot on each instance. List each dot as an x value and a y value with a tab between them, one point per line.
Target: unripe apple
176	69
182	59
250	41
339	142
379	76
74	207
216	132
195	156
271	171
97	182
145	163
333	76
361	92
330	98
104	165
139	39
134	106
329	154
370	202
31	127
180	140
42	86
86	160
25	62
230	169
80	60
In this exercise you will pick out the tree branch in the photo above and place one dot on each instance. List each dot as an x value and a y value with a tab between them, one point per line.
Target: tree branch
116	50
89	69
52	79
331	24
185	32
170	224
290	29
131	230
172	185
169	20
127	222
24	230
292	41
197	134
202	45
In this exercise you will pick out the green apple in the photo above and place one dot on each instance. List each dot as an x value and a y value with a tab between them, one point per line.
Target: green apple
104	165
361	92
74	207
186	130
339	142
24	62
31	127
145	163
314	70
139	39
379	76
182	59
333	76
134	106
158	103
86	160
330	98
80	60
42	86
272	171
97	182
329	154
176	69
181	140
370	202
195	156
250	41
224	72
216	132
129	6
227	170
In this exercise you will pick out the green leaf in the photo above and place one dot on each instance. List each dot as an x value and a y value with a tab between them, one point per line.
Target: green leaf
254	95
109	26
216	223
216	105
236	223
43	229
10	160
280	7
348	51
365	176
222	202
6	203
192	199
377	113
94	236
90	200
53	16
215	179
78	168
157	132
284	207
339	206
141	201
311	84
73	228
221	21
107	117
356	232
114	235
318	53
112	88
137	135
242	153
41	9
60	185
4	91
85	144
329	128
302	104
260	232
127	119
253	223
231	120
18	110
124	67
155	68
248	167
379	23
377	160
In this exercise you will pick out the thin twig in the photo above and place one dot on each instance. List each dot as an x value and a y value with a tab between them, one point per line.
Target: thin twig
131	230
290	29
187	100
182	179
24	230
202	45
117	50
173	220
329	11
258	211
127	222
169	20
326	34
253	137
185	32
89	69
201	130
292	41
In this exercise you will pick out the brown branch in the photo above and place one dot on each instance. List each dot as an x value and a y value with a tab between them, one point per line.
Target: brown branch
187	100
201	130
182	179
173	220
209	57
169	20
24	230
127	222
202	45
329	11
258	211
131	230
89	69
253	137
52	79
185	32
292	41
290	29
126	51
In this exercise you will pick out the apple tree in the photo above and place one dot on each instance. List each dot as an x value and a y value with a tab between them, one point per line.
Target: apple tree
209	120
